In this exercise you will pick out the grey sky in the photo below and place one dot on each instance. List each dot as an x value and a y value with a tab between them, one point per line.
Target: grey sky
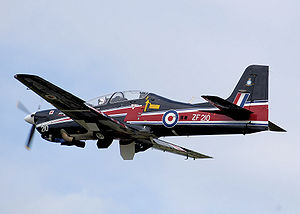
178	49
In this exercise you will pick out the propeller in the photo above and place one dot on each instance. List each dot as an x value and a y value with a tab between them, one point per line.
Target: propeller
30	119
22	107
29	140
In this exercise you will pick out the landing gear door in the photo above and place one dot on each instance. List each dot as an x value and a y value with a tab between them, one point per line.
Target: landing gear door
127	151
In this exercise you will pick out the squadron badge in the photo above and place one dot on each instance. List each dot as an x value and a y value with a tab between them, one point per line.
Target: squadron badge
249	82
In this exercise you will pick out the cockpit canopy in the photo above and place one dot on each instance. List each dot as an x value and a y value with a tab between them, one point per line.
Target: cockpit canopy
118	97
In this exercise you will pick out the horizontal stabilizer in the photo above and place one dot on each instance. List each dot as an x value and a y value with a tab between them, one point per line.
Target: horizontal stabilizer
229	109
273	127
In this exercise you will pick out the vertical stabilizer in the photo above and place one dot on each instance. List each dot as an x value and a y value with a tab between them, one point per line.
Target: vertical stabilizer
255	81
251	93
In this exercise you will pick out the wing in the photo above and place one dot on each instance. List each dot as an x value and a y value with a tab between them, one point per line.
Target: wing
170	147
74	107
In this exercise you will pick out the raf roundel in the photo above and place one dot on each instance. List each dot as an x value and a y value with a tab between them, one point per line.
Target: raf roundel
170	119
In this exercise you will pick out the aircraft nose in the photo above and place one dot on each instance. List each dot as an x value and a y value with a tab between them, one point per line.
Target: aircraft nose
30	118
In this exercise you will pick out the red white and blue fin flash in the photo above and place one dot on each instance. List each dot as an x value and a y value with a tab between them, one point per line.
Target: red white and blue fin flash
241	98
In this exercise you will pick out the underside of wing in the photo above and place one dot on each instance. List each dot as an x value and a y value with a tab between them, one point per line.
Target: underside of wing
170	147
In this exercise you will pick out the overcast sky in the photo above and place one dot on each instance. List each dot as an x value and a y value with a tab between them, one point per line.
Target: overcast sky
178	49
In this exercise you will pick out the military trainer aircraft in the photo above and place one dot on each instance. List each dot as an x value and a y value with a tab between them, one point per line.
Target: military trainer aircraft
137	119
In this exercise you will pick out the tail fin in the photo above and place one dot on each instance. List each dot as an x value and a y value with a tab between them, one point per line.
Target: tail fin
251	93
255	81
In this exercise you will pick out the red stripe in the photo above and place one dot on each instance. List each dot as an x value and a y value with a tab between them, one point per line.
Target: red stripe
237	98
260	113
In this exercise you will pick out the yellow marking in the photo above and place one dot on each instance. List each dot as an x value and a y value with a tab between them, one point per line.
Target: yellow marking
151	106
154	106
147	102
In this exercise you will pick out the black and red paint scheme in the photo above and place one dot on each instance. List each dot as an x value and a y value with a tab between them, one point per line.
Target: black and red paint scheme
138	119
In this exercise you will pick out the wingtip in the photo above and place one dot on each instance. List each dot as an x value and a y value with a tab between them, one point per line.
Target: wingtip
19	76
204	157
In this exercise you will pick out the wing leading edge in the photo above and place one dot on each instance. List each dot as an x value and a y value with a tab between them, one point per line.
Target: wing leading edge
72	106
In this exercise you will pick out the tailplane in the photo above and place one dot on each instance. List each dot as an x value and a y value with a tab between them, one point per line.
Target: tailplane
273	127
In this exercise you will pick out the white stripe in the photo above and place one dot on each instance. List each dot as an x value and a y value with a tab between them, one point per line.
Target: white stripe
229	122
144	122
240	99
119	108
56	121
256	104
118	115
196	109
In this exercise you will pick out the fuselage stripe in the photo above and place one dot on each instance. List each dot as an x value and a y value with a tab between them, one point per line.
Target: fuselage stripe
56	121
203	123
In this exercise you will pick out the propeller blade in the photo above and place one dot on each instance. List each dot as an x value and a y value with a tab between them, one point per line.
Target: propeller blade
28	144
22	107
39	107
